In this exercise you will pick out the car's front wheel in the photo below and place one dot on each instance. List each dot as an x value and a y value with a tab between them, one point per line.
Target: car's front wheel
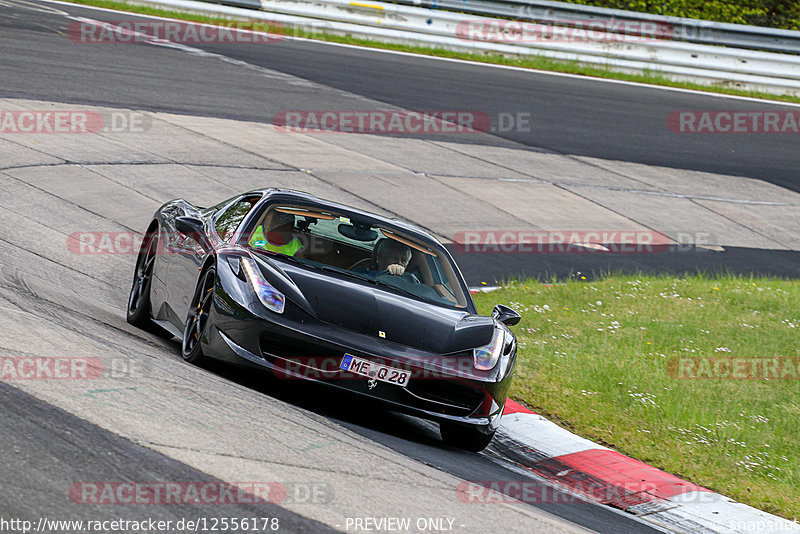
467	437
197	321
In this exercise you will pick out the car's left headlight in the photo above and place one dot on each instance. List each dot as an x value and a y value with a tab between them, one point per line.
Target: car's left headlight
486	357
268	295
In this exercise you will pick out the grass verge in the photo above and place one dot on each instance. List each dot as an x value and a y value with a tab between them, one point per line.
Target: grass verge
595	357
537	63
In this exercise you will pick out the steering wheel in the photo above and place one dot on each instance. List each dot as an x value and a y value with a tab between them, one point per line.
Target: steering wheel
365	261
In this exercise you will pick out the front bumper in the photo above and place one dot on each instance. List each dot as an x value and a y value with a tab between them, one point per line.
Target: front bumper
440	387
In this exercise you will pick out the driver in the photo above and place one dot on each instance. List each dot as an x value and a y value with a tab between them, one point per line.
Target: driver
279	236
393	256
390	257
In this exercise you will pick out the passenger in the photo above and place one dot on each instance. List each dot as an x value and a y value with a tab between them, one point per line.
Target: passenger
279	236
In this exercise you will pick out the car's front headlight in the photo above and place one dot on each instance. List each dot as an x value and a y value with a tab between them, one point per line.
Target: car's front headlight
486	357
268	295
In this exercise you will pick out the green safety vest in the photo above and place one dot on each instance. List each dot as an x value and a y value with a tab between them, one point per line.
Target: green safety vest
259	240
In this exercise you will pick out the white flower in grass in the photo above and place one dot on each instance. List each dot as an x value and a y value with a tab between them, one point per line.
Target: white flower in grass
647	399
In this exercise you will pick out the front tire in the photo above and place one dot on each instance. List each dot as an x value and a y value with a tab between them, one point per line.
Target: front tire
466	437
197	321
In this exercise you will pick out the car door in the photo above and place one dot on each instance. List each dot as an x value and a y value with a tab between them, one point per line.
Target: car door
192	252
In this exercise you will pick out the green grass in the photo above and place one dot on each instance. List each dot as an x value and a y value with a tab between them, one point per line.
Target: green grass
537	63
593	357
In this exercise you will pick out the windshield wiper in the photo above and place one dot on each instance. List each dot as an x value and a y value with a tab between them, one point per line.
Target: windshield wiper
400	289
365	278
314	265
368	279
345	272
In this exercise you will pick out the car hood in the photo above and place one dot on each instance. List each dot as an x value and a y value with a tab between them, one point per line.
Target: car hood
377	311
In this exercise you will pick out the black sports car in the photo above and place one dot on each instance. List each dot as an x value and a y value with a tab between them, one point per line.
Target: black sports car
314	290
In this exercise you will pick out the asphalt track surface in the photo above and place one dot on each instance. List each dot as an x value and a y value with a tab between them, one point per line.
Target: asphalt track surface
46	450
570	116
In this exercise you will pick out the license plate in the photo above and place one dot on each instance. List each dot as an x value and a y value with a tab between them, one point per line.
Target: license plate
374	370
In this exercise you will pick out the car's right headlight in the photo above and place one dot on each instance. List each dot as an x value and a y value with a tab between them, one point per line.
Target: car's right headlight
268	295
486	357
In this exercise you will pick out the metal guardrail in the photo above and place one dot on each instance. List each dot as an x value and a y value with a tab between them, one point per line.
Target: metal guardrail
682	29
730	67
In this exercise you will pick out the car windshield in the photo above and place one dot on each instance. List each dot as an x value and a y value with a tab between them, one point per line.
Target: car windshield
329	240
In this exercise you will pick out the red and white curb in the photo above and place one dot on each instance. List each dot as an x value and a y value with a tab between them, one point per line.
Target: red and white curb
602	475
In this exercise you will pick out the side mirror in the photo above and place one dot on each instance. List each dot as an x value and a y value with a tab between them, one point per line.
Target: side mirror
506	315
193	228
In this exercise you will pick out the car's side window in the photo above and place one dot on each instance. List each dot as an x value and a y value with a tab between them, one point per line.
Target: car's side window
227	223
